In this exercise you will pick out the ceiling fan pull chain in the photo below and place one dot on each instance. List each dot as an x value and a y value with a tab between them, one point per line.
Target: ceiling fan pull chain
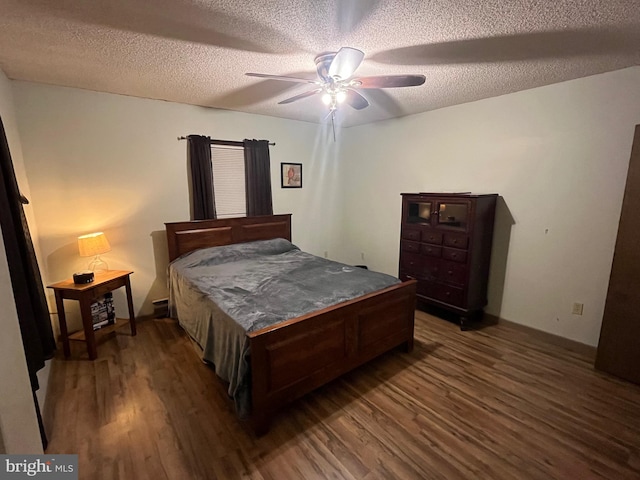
333	124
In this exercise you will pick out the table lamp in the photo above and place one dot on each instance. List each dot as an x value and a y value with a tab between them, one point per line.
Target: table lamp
93	245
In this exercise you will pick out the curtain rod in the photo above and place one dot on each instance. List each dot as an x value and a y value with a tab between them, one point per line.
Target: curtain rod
229	143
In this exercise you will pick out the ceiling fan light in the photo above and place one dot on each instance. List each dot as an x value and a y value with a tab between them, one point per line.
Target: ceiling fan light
341	96
326	99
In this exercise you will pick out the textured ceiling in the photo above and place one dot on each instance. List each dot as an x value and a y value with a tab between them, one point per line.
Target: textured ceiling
197	51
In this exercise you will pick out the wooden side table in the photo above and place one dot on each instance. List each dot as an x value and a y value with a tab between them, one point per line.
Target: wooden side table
104	282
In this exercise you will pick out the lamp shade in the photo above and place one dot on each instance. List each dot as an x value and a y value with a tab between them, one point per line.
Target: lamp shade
93	244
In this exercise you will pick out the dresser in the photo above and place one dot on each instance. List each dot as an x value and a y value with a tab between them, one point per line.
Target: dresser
445	244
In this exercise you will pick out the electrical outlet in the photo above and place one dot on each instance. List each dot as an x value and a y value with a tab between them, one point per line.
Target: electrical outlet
326	254
362	256
577	308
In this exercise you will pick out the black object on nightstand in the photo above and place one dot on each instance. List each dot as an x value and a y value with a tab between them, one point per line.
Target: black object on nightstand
81	278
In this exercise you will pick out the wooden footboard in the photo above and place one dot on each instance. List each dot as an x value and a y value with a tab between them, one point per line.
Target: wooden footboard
293	358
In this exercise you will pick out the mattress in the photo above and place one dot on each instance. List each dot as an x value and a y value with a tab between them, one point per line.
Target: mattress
219	294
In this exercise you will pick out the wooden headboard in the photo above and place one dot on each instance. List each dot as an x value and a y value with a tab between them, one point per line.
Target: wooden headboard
183	237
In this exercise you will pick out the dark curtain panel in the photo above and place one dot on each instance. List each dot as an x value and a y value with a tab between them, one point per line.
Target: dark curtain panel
203	204
257	166
28	291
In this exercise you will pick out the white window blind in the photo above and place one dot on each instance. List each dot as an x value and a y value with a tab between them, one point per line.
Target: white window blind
228	181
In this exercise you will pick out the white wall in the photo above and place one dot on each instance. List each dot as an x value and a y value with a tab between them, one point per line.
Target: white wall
18	422
107	162
558	156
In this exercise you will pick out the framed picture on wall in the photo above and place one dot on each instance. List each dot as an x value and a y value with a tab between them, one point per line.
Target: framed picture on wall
291	175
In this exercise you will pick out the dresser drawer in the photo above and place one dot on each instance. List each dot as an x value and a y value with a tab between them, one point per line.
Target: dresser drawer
411	262
431	250
431	267
448	294
452	272
404	276
407	246
430	236
454	255
456	240
411	234
427	288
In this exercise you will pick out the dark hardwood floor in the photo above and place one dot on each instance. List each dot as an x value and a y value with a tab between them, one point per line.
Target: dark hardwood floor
492	403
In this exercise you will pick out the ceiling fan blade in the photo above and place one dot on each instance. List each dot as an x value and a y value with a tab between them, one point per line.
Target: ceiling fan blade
389	81
355	100
300	96
281	77
345	63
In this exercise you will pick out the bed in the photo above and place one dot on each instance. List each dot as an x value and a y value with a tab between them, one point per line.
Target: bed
270	364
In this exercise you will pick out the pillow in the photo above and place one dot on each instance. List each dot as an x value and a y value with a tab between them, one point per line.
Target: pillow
232	253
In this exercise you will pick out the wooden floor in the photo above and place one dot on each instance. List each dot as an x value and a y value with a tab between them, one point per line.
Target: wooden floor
493	403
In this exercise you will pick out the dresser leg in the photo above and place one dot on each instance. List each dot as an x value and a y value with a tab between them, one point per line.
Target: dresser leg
260	424
407	347
473	317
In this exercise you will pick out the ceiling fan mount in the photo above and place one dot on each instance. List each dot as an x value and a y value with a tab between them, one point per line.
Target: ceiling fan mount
336	82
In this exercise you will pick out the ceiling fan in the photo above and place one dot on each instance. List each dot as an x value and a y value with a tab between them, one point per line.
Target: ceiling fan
337	84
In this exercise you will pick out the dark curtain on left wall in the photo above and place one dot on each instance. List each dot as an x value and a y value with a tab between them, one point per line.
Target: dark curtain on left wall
28	291
203	204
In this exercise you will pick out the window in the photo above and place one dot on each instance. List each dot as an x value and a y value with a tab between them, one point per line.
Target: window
218	173
229	181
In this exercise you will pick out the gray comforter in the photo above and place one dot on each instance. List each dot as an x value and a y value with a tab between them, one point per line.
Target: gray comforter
219	294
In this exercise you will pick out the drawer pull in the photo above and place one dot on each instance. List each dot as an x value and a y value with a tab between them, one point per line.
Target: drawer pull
454	255
448	294
454	241
450	272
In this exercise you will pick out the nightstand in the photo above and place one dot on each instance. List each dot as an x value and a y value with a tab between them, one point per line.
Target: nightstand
104	282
